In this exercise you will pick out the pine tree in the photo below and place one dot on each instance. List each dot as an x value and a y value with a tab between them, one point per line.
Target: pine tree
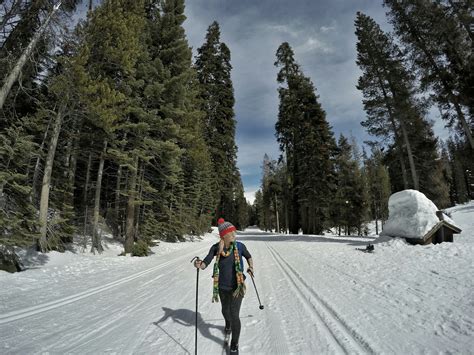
378	183
182	193
267	218
217	100
105	71
394	111
387	89
307	144
258	206
24	115
272	190
461	167
440	45
349	207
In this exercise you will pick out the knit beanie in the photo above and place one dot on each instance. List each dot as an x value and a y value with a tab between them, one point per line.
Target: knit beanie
225	227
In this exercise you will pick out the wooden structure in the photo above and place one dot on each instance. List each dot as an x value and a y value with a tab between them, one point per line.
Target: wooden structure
442	231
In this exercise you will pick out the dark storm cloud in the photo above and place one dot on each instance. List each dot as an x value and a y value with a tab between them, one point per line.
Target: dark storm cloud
322	35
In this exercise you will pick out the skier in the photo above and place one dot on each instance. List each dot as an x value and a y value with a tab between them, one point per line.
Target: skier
229	280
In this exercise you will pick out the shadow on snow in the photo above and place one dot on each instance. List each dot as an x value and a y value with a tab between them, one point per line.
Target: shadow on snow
187	318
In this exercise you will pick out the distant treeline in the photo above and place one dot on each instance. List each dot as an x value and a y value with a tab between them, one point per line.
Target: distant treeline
427	62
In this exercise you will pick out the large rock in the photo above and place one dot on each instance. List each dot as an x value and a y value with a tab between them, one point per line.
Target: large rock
410	215
9	261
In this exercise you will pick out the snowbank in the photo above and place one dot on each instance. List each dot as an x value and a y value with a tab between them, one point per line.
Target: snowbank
411	215
387	241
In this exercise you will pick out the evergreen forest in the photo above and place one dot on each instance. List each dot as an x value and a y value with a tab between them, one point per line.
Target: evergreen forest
112	125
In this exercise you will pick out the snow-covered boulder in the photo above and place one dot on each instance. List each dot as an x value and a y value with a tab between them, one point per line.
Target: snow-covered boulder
9	260
410	215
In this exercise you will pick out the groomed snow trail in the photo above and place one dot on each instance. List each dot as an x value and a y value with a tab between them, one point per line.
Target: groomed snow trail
321	296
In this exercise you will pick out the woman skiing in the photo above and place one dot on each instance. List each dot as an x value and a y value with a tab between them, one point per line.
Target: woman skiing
229	280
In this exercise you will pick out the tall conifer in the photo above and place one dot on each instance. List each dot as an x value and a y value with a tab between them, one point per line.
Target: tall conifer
217	101
307	144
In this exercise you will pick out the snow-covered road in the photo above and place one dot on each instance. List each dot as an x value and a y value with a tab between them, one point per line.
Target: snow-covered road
321	296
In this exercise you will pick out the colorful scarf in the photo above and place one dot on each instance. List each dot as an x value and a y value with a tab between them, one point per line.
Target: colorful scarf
240	290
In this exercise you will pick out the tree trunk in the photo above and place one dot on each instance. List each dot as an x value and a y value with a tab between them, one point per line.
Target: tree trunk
131	208
295	225
414	175
48	170
33	197
403	167
85	202
276	211
96	238
394	128
462	119
73	164
376	219
13	76
117	229
138	209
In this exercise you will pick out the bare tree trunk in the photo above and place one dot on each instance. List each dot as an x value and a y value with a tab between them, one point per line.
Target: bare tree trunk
414	175
48	170
462	119
85	202
117	227
138	209
376	219
403	167
96	238
33	197
276	211
73	164
13	76
131	208
395	131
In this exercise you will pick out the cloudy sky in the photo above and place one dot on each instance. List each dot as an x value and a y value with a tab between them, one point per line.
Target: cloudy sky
321	32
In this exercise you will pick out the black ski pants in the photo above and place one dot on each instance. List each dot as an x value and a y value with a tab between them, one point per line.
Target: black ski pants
230	311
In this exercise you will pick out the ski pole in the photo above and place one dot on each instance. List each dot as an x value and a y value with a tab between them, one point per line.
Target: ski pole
261	305
196	321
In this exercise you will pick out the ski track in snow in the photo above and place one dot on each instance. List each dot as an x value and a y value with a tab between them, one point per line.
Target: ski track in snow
344	338
320	297
44	307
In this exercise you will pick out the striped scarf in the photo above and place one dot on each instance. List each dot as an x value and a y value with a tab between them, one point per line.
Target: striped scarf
240	290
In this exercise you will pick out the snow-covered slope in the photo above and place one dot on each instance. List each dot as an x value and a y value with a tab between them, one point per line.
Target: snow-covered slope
321	295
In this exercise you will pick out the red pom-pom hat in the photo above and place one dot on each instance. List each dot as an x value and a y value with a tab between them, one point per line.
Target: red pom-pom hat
225	227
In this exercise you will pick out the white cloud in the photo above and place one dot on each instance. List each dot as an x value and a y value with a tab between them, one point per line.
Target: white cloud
250	195
250	154
325	29
313	44
285	29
